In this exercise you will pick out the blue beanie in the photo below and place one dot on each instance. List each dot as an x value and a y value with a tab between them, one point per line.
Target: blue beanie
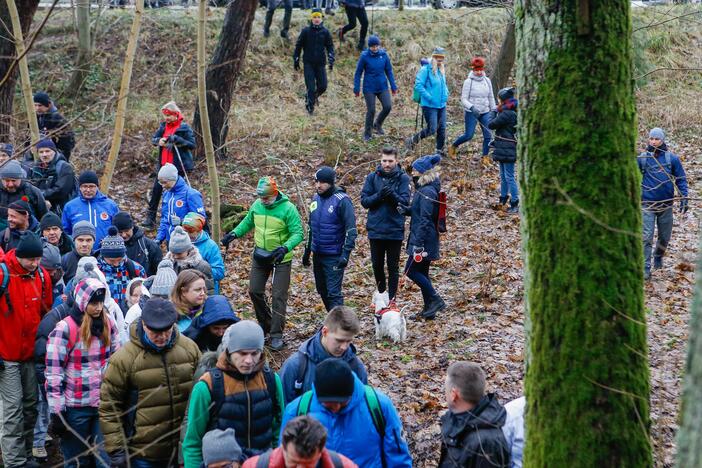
426	163
325	174
373	41
46	143
7	148
657	133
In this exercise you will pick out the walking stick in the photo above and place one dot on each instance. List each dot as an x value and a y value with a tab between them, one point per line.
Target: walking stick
185	173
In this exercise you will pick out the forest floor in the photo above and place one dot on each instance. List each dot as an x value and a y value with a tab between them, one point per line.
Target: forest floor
480	273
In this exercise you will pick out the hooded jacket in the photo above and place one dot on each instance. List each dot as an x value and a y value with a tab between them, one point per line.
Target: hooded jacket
144	395
143	251
194	261
477	92
98	211
310	354
377	69
351	431
184	140
504	144
177	202
384	221
431	87
209	250
423	212
56	180
474	438
215	309
277	224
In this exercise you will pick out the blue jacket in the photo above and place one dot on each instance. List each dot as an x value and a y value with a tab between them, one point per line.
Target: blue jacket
332	224
351	430
184	140
209	250
378	71
431	87
314	353
384	221
178	201
98	211
658	175
424	211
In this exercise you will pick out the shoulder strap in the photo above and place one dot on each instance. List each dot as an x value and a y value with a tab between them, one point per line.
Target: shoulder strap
3	286
304	406
217	396
131	270
6	237
264	460
142	245
374	408
72	335
269	377
301	371
336	459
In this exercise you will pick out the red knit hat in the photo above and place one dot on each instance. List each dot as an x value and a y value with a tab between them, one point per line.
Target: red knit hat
477	63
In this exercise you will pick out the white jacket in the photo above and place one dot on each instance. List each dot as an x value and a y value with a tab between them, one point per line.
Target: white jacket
477	91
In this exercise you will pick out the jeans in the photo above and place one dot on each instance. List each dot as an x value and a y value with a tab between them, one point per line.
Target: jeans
385	101
419	273
272	321
18	411
42	425
664	220
436	123
470	123
354	13
89	449
507	181
315	81
379	248
328	279
272	6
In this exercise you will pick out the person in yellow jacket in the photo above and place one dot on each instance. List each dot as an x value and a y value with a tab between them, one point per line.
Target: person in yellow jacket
278	230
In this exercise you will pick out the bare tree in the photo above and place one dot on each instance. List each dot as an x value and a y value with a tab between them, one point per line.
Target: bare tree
85	50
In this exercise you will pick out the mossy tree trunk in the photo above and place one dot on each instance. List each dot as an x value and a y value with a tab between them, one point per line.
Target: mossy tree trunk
587	379
85	49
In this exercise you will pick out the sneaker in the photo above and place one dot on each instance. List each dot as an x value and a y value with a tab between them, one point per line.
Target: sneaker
40	454
367	137
452	151
657	263
277	344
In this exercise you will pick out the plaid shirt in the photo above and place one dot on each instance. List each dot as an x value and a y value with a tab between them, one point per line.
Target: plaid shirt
73	376
118	279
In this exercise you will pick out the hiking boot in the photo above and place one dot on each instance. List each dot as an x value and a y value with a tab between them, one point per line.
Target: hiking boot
360	47
266	33
284	35
340	34
310	108
657	263
277	344
39	453
647	274
367	137
378	130
503	200
150	222
435	306
452	152
513	207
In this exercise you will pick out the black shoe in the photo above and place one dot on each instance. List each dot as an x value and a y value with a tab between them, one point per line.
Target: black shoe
436	306
277	344
328	12
266	33
513	207
647	274
378	130
503	200
310	108
284	35
150	222
657	263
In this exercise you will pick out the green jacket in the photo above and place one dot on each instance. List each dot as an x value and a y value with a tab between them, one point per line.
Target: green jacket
276	225
158	385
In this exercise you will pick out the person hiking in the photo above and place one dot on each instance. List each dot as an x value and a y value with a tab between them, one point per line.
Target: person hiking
83	243
90	205
207	329
53	175
54	125
20	221
140	249
185	256
51	229
375	67
188	295
504	147
317	48
14	187
117	268
179	199
271	6
194	225
355	10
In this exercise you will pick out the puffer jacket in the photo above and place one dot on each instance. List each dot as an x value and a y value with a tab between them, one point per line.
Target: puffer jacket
384	221
98	211
377	69
477	91
194	261
504	146
423	212
177	202
209	250
156	384
431	87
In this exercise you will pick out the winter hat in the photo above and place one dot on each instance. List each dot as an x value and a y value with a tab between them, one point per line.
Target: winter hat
180	241
51	258
164	280
170	108
168	172
12	170
83	228
477	63
440	51
333	381
159	314
7	148
20	205
50	219
122	221
246	334
657	133
193	222
112	246
218	305
426	163
46	143
220	446
88	290
316	12
266	187
29	246
373	40
87	268
505	93
88	177
325	174
42	98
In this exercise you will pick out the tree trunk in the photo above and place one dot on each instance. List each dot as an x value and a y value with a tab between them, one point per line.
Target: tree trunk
122	98
206	134
85	51
505	61
8	54
587	380
223	71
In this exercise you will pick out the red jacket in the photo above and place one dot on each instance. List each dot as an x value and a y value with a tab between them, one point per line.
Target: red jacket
18	325
277	460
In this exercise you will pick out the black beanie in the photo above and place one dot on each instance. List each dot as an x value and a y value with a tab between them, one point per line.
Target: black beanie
333	381
88	177
29	246
122	221
50	219
325	174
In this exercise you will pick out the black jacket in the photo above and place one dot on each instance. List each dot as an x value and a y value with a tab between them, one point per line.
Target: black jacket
384	221
54	124
474	439
69	264
144	251
505	142
314	41
56	181
34	196
184	141
10	238
65	244
46	326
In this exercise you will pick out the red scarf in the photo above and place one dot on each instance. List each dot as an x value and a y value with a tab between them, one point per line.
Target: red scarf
167	154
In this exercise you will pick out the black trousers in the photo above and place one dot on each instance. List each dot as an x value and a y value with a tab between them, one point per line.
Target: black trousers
353	14
380	249
315	81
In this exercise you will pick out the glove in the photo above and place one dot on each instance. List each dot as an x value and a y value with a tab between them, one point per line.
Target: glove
2	364
296	65
227	239
385	192
279	254
306	258
341	263
175	220
683	205
57	424
356	93
118	459
331	66
475	112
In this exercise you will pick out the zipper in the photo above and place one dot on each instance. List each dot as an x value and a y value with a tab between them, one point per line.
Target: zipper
265	230
170	392
248	411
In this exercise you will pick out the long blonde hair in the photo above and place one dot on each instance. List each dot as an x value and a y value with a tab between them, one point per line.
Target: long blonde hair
87	322
435	65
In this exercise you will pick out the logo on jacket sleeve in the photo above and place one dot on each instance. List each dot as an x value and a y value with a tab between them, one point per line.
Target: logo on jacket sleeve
179	203
104	216
313	205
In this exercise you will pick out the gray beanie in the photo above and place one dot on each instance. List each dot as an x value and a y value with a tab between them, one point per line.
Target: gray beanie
246	334
180	241
51	259
83	228
220	446
86	268
12	170
657	133
168	172
164	280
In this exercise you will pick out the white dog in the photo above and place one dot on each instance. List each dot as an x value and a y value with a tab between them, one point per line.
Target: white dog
389	320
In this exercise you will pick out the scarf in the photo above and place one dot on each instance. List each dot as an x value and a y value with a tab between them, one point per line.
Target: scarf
657	151
167	152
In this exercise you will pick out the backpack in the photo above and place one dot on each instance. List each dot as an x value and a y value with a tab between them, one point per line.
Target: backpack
6	282
264	459
644	166
301	371
373	405
73	337
441	215
74	190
